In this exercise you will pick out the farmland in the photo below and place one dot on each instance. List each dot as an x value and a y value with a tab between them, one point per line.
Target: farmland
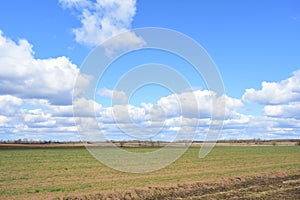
57	173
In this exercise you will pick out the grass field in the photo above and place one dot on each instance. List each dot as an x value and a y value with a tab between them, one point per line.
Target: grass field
52	173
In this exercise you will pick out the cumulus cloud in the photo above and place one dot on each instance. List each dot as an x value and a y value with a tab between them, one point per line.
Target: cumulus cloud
35	94
82	85
35	119
170	115
280	99
38	118
104	19
286	111
118	97
35	103
285	91
206	101
124	114
44	120
86	107
3	120
273	127
75	3
9	104
24	76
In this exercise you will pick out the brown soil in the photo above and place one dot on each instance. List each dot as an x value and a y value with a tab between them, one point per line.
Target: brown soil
284	186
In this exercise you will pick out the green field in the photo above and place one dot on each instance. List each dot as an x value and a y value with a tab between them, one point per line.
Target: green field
61	172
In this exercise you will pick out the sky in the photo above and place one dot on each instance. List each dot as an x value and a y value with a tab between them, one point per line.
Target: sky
254	44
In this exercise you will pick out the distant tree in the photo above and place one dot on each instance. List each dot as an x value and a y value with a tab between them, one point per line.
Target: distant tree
122	143
158	143
257	140
152	143
18	141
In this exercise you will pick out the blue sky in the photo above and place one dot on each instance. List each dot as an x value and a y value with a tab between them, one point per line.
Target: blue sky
255	45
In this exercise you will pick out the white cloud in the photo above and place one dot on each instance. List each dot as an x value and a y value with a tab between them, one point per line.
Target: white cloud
287	111
24	76
86	108
35	103
35	119
166	116
35	100
207	101
285	91
280	99
75	3
263	126
119	97
62	111
124	42
82	85
3	120
38	118
104	19
9	104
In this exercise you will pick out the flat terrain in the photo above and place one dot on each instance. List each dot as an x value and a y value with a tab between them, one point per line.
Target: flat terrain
262	172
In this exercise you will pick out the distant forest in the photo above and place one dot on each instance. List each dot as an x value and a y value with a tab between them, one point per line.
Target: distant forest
254	140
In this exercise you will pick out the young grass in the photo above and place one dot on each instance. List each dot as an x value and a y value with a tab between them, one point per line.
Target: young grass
49	173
